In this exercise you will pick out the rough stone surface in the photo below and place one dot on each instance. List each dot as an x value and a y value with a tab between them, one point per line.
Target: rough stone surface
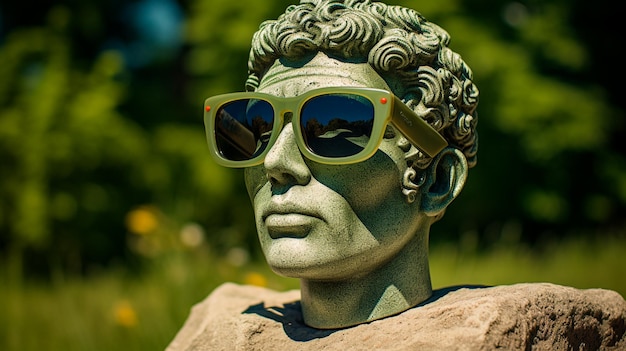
538	316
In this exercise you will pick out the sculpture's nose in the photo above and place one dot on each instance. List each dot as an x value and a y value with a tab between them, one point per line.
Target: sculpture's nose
284	164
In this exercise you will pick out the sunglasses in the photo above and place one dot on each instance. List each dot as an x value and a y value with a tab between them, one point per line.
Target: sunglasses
335	126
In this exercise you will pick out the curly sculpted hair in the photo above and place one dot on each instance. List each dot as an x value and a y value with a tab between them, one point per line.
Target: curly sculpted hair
398	42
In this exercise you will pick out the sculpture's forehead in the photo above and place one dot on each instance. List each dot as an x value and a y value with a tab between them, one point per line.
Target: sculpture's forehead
321	71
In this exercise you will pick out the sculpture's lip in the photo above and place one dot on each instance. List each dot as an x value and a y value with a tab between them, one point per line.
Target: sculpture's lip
289	220
288	209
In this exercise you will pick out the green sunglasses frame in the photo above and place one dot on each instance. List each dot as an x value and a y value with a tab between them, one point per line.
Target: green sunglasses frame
418	132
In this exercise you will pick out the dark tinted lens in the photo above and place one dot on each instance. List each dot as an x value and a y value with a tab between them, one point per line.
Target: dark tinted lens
337	125
243	128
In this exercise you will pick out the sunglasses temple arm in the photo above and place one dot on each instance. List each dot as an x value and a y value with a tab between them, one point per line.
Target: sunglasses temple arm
419	133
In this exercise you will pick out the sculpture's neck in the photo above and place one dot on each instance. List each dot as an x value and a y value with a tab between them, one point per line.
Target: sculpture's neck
395	287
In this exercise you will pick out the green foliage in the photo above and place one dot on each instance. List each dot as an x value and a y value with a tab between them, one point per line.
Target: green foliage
549	116
546	128
115	310
578	262
219	33
56	123
73	165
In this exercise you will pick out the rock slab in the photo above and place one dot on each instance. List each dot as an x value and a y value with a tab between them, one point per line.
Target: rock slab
534	316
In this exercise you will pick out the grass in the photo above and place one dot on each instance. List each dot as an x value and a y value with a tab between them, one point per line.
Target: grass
115	310
580	263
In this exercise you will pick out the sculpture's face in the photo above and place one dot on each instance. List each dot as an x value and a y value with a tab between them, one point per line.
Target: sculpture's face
326	222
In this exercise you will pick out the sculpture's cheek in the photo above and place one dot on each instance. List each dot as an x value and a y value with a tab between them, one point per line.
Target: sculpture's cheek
371	185
255	179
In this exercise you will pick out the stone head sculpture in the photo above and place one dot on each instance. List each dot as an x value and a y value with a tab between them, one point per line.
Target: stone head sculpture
357	131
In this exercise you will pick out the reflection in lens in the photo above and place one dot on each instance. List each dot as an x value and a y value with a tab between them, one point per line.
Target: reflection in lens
243	128
337	125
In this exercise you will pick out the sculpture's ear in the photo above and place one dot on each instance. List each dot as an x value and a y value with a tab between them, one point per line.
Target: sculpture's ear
445	178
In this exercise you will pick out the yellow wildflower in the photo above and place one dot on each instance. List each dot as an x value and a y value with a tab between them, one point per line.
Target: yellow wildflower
257	279
125	314
142	220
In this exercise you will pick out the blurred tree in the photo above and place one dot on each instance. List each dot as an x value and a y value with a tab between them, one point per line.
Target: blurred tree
63	145
219	33
548	121
74	162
